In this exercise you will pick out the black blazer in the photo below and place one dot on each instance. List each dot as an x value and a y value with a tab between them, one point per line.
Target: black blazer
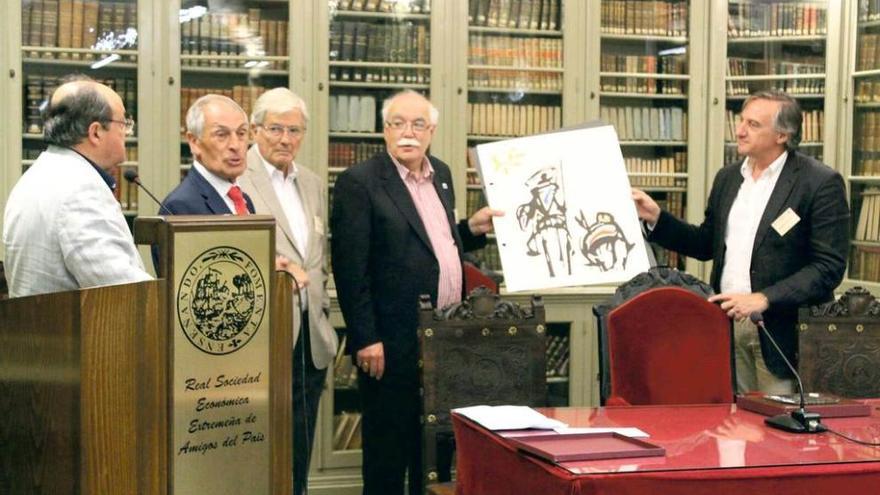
195	196
383	260
801	267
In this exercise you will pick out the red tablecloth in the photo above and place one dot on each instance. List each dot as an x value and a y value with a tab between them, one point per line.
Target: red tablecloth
712	450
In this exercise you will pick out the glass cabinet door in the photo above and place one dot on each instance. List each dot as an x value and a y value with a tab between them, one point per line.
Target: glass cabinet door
376	48
644	92
777	45
514	83
236	49
96	38
864	178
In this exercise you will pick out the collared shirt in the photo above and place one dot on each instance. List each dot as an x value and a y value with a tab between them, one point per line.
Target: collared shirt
742	224
107	178
221	185
291	202
433	215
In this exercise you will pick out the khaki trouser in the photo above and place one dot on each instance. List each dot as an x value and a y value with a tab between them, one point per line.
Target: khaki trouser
751	370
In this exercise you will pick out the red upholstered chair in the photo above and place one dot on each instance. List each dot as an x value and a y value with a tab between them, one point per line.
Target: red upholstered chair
668	345
474	277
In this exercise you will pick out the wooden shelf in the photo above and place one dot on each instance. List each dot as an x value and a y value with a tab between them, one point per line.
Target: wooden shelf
548	33
377	85
394	16
549	92
811	38
511	68
645	96
644	37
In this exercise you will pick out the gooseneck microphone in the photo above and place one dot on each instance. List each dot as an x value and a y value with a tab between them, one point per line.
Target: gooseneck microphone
800	420
132	177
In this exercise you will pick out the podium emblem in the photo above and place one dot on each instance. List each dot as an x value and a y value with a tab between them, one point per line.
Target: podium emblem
221	300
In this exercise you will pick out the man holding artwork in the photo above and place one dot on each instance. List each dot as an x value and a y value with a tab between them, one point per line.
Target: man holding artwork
394	238
776	228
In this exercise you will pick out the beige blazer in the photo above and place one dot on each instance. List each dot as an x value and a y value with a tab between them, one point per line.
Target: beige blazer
255	182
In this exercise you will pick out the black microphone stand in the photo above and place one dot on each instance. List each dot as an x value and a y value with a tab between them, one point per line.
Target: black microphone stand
800	420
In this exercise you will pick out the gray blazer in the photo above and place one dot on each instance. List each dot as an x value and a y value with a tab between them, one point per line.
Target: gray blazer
255	182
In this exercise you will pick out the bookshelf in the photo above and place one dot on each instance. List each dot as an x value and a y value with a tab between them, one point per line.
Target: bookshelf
239	51
97	37
864	172
644	91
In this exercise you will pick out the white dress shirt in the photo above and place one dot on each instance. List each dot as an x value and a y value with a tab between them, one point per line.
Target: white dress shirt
742	224
221	185
64	230
291	202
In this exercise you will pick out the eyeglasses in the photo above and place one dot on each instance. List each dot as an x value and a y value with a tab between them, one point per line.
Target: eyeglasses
277	131
127	124
418	125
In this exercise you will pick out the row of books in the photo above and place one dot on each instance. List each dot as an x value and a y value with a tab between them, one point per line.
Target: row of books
867	91
399	43
557	355
868	223
869	10
790	86
751	19
352	113
869	55
387	6
344	370
740	66
644	64
38	90
512	51
347	431
866	164
649	17
514	80
673	202
475	200
126	192
346	154
865	263
646	123
812	129
230	34
245	96
650	172
74	24
867	136
500	119
519	14
488	256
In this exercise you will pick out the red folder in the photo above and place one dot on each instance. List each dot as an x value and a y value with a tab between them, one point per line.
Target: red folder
585	446
768	407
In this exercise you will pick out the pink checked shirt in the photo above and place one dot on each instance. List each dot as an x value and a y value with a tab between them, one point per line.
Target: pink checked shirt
433	215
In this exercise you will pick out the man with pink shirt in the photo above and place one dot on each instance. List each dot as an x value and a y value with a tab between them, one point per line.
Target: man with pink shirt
394	238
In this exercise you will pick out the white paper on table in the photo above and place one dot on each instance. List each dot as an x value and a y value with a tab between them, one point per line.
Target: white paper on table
569	215
631	432
509	417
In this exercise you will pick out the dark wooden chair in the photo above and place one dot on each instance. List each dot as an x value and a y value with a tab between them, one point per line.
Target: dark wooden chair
482	351
839	345
660	316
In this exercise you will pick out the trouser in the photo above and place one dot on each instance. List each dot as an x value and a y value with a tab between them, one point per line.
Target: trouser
308	382
752	373
392	441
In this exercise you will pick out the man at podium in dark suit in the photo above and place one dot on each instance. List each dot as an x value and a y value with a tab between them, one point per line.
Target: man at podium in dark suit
217	132
394	238
777	231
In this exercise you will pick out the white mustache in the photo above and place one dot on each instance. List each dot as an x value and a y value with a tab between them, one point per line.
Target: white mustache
408	142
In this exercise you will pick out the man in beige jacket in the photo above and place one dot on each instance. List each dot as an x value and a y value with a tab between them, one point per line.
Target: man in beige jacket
297	198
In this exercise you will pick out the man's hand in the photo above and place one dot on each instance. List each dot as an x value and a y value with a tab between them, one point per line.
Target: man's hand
741	306
646	207
371	359
481	221
283	264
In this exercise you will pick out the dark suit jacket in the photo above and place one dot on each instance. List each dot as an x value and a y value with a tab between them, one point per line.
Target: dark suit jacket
801	267
195	196
383	260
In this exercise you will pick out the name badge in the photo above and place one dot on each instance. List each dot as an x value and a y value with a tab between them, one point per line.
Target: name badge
319	225
785	222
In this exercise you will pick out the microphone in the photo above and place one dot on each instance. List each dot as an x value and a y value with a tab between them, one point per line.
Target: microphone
800	420
132	177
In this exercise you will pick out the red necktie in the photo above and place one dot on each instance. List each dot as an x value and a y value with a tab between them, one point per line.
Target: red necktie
238	200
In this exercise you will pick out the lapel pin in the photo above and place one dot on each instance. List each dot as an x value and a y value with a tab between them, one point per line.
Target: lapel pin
444	185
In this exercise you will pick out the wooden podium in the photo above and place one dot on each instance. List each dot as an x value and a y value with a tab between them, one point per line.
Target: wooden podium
174	386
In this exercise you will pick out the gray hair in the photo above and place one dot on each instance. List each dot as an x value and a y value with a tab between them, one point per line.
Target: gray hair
788	120
278	100
435	114
195	116
66	122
